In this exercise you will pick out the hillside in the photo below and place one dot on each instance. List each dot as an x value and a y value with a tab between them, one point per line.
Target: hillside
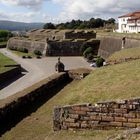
14	26
114	82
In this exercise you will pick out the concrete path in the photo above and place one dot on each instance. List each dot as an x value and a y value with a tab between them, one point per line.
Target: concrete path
37	69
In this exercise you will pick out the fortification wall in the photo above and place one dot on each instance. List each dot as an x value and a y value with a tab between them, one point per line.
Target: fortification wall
104	115
111	44
61	34
24	43
70	47
13	108
80	35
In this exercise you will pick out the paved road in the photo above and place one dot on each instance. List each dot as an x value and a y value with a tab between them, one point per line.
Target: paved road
37	69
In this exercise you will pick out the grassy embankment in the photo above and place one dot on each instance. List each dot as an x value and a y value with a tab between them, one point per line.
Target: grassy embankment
21	54
114	82
5	61
126	53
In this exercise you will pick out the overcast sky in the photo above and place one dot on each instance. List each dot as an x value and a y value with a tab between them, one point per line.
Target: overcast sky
64	10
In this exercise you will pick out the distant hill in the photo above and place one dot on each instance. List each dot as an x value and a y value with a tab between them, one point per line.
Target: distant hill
20	26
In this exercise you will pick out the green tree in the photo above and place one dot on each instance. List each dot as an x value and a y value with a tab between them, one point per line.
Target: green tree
49	26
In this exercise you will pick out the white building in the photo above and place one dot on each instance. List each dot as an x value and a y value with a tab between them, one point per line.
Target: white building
129	23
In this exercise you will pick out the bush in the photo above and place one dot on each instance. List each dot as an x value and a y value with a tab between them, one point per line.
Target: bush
37	52
22	50
88	51
90	56
99	61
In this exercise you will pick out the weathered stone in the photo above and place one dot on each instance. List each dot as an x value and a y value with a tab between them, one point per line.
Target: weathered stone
74	116
135	120
120	119
107	118
74	125
116	124
124	111
95	118
129	125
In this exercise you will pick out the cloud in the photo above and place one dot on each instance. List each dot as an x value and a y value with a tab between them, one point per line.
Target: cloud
80	9
25	3
23	17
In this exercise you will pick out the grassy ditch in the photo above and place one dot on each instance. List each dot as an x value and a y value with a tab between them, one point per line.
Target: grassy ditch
5	61
114	82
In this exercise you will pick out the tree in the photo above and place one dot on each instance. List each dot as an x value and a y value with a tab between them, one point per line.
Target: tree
49	26
111	21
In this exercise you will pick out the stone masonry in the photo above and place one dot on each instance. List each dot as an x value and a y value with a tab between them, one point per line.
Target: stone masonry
56	42
104	115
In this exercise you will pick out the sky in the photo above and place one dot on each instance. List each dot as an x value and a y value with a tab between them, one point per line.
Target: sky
57	11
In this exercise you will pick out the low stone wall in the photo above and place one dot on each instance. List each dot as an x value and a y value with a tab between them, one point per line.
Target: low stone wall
103	115
15	107
15	71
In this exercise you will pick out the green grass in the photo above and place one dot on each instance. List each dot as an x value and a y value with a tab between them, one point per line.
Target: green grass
114	82
125	53
3	43
5	61
22	53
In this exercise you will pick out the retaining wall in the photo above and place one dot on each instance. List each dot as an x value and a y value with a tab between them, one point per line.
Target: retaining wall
104	115
10	73
111	44
15	107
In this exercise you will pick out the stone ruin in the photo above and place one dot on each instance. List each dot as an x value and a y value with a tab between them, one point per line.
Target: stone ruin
56	42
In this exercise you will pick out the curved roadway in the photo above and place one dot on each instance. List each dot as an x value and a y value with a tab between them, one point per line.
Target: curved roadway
37	69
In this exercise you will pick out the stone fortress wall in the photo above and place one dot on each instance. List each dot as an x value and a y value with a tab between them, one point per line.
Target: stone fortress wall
109	44
56	42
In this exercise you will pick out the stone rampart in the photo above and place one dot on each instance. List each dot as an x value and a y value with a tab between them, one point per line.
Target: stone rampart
104	115
13	108
111	44
25	43
70	47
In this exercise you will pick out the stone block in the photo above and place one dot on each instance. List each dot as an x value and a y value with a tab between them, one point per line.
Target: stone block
116	124
104	110
74	116
130	115
138	114
135	120
76	108
74	125
81	112
120	119
124	111
130	125
95	118
107	118
70	120
86	109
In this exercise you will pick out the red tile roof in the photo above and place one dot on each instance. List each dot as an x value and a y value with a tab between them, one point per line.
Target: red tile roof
134	15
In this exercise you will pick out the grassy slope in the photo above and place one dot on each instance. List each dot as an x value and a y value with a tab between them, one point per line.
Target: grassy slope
3	43
109	83
126	53
22	53
5	61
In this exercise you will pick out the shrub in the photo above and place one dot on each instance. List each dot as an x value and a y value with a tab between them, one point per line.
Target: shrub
99	61
88	51
90	56
37	52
